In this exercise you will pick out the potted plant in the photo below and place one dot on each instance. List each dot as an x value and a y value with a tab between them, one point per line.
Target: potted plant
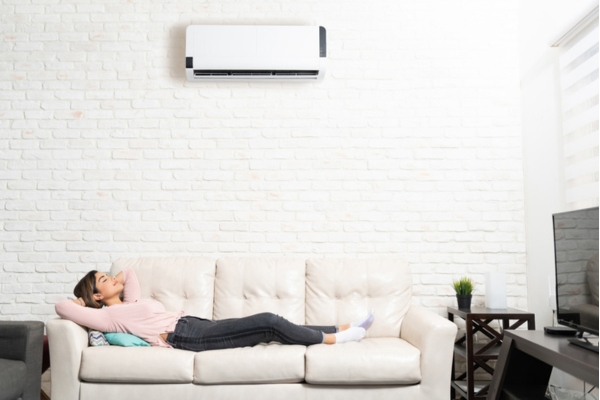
464	291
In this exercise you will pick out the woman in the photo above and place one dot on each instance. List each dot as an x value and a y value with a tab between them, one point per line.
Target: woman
113	304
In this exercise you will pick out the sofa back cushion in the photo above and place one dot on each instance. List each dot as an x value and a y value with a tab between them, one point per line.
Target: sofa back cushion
180	283
340	291
247	286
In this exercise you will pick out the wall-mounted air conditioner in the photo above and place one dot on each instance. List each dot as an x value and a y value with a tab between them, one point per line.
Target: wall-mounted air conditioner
234	52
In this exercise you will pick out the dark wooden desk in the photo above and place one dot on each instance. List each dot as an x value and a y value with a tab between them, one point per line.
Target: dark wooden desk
526	360
477	319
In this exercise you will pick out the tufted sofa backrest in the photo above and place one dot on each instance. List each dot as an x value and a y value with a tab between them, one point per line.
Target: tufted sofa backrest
247	286
180	283
344	290
325	291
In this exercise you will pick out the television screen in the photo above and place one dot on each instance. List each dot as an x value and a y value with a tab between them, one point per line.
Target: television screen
576	259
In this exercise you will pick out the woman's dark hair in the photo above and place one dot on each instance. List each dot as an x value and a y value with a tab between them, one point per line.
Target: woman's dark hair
86	288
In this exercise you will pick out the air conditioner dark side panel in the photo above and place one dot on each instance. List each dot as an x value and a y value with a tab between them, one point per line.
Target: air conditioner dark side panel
322	42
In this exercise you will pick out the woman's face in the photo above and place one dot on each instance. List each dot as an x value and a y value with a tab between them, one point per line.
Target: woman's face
108	287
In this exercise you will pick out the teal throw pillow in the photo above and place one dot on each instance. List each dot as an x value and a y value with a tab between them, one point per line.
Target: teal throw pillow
124	339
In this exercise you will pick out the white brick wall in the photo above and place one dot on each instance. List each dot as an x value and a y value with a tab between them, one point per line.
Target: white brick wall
411	146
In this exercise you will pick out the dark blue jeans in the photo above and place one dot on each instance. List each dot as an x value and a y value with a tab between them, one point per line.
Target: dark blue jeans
198	334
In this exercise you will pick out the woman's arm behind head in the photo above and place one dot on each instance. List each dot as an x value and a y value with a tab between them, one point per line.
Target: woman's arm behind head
89	317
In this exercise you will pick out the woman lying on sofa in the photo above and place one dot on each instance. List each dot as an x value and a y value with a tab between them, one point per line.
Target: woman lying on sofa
113	304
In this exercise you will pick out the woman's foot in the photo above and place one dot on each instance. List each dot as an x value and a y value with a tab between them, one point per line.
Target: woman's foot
348	335
364	323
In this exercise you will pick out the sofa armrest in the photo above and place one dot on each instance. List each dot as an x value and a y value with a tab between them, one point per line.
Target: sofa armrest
23	341
434	336
66	340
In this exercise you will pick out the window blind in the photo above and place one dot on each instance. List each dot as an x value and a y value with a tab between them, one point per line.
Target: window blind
578	65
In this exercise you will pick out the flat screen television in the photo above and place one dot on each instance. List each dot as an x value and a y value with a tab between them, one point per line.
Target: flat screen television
576	260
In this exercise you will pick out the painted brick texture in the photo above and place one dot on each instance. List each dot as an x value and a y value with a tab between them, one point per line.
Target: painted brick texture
410	147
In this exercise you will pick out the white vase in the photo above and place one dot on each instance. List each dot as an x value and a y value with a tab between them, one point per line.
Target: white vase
495	290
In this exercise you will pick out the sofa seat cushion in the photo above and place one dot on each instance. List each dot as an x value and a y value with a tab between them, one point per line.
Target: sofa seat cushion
372	361
263	363
116	364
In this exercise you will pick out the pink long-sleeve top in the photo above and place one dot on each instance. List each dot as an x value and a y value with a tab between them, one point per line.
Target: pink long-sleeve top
145	318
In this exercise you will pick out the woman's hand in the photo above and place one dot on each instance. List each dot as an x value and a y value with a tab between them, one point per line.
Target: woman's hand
79	302
119	277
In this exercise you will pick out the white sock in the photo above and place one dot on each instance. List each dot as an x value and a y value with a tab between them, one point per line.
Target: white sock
350	335
365	323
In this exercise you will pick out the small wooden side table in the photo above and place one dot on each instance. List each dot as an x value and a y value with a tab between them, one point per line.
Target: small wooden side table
477	319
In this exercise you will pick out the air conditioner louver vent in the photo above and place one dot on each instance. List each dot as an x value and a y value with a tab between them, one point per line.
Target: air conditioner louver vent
253	73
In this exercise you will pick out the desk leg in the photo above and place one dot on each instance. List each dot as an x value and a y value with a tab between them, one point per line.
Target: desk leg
452	376
501	368
470	367
518	373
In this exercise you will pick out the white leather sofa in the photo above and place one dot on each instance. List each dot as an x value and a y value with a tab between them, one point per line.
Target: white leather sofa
406	354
